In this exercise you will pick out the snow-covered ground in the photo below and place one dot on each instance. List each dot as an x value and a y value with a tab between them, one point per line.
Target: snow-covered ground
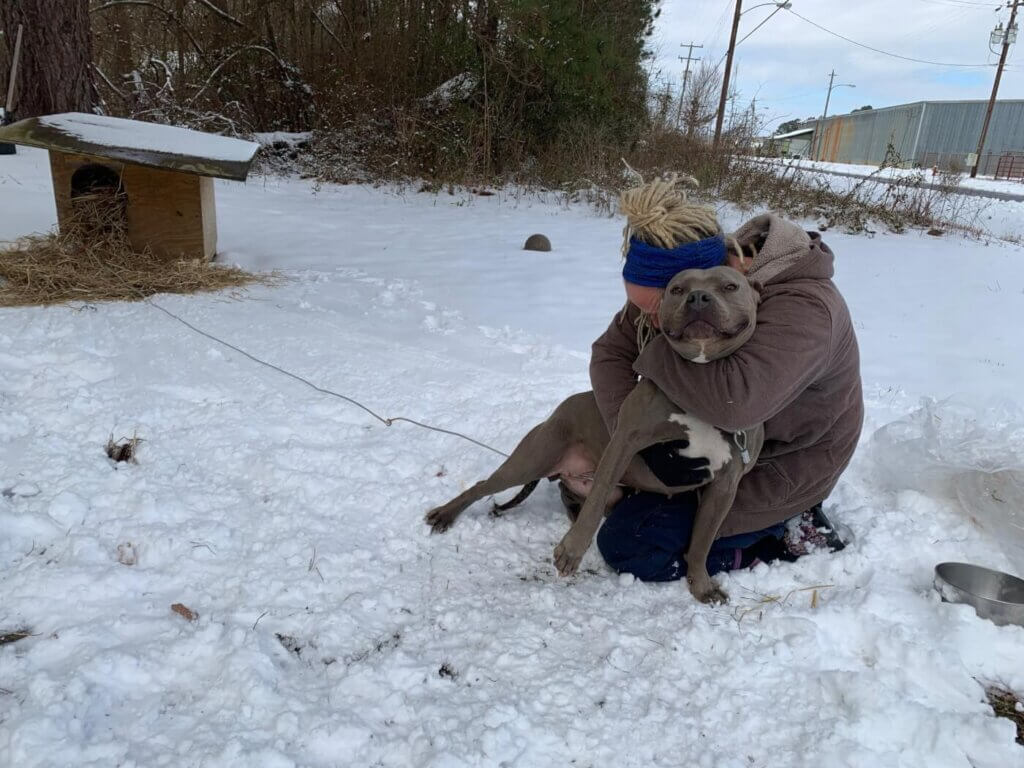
333	631
995	217
988	184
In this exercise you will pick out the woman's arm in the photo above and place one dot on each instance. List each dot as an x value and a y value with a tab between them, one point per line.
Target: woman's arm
611	365
789	350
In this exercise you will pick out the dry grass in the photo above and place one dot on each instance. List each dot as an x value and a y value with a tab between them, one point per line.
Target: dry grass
1005	704
92	260
587	168
124	449
14	636
185	612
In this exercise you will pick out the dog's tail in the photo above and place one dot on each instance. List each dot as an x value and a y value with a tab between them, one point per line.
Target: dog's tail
516	500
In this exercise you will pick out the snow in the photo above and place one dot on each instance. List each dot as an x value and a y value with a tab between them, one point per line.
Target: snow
457	88
1008	186
791	134
150	137
291	138
333	630
987	215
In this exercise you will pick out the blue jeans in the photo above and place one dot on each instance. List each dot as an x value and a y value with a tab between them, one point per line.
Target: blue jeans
646	535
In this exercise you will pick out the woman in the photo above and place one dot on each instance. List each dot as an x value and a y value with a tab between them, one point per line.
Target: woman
799	375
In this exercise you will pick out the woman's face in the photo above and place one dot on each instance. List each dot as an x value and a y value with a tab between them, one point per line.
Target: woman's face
739	263
646	298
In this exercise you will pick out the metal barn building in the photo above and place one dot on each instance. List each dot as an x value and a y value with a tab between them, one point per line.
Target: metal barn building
925	133
795	143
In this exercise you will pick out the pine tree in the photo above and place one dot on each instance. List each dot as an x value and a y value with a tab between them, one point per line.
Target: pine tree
56	55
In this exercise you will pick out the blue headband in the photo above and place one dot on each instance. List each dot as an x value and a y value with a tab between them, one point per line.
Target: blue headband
648	265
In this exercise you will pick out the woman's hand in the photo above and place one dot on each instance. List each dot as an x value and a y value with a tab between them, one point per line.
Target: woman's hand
673	469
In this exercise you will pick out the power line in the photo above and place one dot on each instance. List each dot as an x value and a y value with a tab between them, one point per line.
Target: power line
879	50
803	95
938	21
965	4
765	21
713	36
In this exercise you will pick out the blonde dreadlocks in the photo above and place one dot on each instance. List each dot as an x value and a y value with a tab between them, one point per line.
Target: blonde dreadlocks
658	213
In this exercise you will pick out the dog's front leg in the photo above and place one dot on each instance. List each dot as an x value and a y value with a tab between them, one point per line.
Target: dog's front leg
716	500
632	435
576	542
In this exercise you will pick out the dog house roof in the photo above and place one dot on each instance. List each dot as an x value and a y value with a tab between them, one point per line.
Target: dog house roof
133	141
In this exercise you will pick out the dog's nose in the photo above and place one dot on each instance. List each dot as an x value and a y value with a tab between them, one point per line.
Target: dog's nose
698	299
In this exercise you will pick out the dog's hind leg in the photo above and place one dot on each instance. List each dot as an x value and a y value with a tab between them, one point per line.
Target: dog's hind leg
534	458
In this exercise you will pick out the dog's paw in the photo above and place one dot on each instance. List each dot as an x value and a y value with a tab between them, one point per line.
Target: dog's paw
707	592
567	558
440	519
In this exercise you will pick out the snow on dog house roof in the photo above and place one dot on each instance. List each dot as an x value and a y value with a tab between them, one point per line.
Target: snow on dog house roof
164	174
133	141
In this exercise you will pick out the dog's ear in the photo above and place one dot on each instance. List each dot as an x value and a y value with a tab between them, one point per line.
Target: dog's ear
758	288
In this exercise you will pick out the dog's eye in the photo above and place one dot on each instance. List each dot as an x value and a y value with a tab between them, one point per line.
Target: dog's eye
731	287
676	290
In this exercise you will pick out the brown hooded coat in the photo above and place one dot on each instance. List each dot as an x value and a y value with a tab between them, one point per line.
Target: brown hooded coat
799	375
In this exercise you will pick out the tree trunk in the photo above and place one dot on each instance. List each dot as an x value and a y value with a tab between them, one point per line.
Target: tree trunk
55	72
179	12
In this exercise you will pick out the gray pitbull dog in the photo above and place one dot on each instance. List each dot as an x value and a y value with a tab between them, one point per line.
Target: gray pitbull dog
705	314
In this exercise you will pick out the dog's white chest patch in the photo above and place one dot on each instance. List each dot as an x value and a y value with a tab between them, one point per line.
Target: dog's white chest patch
705	441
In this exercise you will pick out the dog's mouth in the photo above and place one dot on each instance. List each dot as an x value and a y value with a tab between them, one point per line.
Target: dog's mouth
702	330
699	330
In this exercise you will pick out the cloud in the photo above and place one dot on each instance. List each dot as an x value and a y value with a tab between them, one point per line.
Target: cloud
786	63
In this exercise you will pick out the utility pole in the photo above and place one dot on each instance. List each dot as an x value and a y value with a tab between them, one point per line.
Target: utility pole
686	79
1010	32
821	123
733	95
728	70
819	131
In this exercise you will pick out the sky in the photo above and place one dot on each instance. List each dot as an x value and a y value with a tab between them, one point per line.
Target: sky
786	63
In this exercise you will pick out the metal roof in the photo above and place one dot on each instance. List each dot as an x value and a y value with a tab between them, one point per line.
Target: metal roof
921	132
791	134
133	141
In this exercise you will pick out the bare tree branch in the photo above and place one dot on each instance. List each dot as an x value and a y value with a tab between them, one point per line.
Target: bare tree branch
152	60
223	14
170	15
115	3
106	80
224	63
340	8
327	29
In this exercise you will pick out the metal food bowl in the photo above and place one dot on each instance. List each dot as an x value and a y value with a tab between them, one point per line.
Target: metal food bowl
994	595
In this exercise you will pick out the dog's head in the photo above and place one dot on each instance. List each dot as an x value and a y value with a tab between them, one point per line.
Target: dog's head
708	313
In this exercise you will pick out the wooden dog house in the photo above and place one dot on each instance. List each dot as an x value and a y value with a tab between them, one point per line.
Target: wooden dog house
164	173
